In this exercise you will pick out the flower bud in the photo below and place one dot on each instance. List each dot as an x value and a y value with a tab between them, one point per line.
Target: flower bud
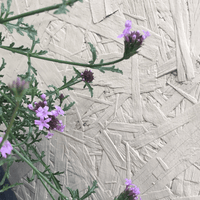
87	76
19	87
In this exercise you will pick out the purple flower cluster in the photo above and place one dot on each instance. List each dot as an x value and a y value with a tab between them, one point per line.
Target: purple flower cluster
132	192
133	40
135	36
87	76
6	148
47	118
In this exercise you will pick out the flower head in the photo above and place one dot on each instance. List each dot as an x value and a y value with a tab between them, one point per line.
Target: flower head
61	96
131	192
47	118
6	148
43	112
132	40
39	104
43	123
19	87
87	76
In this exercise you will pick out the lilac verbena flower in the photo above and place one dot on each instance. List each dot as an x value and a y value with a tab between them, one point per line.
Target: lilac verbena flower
59	111
47	118
132	40
126	30
131	192
43	123
43	112
87	76
41	104
6	148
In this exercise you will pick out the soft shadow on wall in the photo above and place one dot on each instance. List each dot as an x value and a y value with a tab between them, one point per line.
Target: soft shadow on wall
9	194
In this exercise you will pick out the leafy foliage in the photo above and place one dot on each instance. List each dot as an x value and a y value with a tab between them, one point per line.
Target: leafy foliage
1	38
2	67
21	48
69	106
22	28
6	11
89	87
75	193
6	187
62	8
103	69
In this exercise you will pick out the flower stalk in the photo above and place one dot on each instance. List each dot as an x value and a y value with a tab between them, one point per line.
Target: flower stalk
94	66
26	14
38	172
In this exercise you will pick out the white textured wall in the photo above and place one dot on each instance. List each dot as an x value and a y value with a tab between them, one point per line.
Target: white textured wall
142	125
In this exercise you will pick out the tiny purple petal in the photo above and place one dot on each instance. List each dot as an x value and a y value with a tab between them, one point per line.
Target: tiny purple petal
30	106
59	110
126	38
49	135
43	96
6	148
128	24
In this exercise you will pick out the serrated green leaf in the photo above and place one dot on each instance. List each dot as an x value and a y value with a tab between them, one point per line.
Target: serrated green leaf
1	38
112	69
12	44
6	187
90	190
76	71
9	2
64	80
89	87
68	107
2	9
40	53
32	177
3	64
22	27
55	89
62	8
94	55
21	48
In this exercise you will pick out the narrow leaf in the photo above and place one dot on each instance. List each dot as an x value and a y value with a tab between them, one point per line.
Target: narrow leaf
94	55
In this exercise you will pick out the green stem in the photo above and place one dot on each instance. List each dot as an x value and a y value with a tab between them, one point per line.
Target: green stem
42	162
47	188
7	98
4	121
35	12
61	61
10	124
38	172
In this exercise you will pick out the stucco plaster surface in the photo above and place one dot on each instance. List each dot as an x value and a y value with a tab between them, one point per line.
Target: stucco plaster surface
142	125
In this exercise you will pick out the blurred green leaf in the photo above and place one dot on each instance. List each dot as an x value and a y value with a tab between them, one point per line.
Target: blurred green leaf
94	55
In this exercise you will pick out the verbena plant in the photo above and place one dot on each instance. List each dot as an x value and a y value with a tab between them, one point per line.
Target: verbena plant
40	118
